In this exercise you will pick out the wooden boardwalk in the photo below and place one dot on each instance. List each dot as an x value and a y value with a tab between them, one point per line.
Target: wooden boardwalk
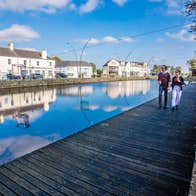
144	151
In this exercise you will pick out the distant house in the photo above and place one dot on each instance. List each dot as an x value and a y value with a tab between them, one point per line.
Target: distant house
74	69
125	69
25	62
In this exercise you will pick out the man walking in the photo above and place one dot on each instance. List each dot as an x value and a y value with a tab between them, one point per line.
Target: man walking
164	80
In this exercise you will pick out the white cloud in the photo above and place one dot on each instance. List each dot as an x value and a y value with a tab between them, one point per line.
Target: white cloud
120	2
127	39
173	3
173	7
48	6
89	6
17	33
160	40
91	41
107	39
182	35
110	39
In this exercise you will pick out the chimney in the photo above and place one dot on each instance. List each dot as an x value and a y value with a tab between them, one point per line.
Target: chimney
44	54
11	46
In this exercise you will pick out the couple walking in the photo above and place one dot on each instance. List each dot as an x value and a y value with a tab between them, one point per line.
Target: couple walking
164	80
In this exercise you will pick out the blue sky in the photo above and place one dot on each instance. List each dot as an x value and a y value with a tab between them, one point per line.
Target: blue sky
109	26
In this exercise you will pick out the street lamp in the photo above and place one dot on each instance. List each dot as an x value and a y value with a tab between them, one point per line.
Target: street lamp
75	54
128	57
84	47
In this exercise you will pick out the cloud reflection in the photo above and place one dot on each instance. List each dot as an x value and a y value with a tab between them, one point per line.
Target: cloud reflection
13	147
110	108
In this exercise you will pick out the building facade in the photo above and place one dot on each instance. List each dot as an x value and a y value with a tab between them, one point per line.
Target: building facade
25	62
74	69
114	68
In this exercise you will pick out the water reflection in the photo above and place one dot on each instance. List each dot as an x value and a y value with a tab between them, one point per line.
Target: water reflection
30	120
17	104
127	88
22	119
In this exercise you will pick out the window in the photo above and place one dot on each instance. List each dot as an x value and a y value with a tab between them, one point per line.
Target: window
50	63
37	63
29	62
9	62
6	100
25	62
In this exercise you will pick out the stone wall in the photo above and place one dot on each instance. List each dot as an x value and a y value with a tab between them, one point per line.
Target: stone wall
7	84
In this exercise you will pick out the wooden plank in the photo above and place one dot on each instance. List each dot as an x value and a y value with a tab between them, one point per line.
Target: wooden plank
49	181
44	164
22	182
14	187
36	182
4	191
61	182
74	170
118	174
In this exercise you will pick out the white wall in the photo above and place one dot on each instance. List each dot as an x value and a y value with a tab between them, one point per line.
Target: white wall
17	64
75	71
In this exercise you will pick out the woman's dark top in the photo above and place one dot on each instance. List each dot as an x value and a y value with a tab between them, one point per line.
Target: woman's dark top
175	82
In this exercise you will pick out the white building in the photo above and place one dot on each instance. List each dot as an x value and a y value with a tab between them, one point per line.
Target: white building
125	69
74	69
25	62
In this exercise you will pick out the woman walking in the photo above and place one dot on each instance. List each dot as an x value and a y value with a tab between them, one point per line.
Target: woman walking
177	82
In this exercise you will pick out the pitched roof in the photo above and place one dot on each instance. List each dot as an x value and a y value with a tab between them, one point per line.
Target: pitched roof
72	64
20	53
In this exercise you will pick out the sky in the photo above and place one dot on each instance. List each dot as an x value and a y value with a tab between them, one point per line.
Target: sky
154	31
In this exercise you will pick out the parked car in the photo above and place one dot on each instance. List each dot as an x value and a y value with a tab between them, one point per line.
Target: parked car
36	76
60	75
13	77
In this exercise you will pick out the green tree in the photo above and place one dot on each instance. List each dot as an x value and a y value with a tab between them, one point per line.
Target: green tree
93	66
99	72
57	59
192	66
190	10
156	69
192	63
172	69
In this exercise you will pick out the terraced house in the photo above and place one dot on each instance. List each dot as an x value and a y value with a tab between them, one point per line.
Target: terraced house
25	62
74	69
115	68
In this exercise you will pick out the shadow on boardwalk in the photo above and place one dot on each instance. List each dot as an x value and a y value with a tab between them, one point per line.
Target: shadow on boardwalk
141	152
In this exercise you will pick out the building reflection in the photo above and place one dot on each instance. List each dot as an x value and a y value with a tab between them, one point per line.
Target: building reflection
75	91
18	105
127	88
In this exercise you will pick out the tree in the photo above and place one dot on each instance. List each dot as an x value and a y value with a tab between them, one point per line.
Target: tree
190	10
93	66
57	59
192	63
156	69
99	72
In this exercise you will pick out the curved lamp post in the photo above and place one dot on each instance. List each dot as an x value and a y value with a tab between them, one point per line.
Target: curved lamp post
75	54
84	47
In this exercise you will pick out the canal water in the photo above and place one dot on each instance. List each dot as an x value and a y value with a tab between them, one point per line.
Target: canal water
33	118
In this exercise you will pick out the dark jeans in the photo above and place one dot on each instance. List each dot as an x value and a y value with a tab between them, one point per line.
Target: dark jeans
161	90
